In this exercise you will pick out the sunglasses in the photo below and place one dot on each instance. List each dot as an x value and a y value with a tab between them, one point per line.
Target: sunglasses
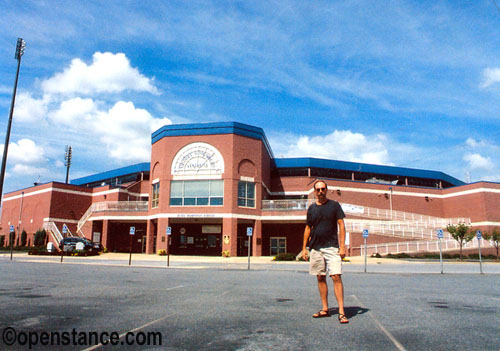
320	189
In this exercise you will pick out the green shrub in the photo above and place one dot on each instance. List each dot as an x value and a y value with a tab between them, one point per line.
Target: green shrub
40	236
162	252
376	255
399	255
430	255
24	236
285	257
2	240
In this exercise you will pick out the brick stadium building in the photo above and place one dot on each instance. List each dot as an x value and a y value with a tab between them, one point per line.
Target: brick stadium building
209	182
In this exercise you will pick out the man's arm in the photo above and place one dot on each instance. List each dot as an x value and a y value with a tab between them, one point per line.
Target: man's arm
341	224
307	233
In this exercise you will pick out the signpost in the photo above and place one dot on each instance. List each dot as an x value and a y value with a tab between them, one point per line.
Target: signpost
479	237
249	235
11	237
365	236
440	236
64	231
132	233
168	232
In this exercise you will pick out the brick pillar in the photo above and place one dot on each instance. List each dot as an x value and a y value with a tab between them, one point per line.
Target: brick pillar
230	230
104	234
161	240
257	239
151	231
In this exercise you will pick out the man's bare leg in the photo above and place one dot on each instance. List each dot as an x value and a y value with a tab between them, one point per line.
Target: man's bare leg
338	288
323	291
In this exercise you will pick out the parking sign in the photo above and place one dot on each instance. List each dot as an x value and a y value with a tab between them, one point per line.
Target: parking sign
479	234
132	230
169	230
249	231
365	233
11	229
440	233
65	229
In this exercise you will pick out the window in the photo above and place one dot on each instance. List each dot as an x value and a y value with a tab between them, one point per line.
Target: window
197	193
246	194
156	195
278	245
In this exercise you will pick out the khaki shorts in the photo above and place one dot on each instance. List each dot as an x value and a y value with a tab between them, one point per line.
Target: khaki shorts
326	259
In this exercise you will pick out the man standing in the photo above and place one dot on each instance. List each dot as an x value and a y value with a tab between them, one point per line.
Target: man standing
325	237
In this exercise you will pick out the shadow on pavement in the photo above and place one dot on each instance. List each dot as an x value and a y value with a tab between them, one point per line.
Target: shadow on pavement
350	311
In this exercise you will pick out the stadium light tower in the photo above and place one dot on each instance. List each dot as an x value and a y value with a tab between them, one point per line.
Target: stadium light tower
67	161
21	45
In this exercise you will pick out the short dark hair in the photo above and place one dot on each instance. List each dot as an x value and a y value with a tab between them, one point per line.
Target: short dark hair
320	181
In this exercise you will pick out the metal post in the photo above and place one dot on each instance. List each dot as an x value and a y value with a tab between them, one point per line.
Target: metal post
390	201
62	248
12	236
480	258
18	224
168	250
365	253
249	249
130	251
441	255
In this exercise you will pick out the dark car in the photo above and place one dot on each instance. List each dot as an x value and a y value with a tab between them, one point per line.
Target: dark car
69	244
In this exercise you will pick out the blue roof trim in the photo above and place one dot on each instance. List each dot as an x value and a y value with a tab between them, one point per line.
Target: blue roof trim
307	162
137	168
212	129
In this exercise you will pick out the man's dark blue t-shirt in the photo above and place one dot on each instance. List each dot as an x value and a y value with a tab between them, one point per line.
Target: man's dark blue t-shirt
322	219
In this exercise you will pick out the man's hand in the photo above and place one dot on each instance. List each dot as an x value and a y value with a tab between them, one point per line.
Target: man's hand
305	255
342	252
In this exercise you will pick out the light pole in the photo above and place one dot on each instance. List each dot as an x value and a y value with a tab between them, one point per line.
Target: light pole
67	161
390	200
21	45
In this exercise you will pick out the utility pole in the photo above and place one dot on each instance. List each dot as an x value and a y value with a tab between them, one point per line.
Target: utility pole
67	161
21	45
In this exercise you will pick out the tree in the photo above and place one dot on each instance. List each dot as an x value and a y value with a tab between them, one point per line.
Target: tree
24	237
494	236
461	233
40	237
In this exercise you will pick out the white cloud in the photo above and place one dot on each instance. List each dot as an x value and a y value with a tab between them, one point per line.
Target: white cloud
25	151
74	111
476	161
29	170
490	77
28	109
126	131
342	145
108	73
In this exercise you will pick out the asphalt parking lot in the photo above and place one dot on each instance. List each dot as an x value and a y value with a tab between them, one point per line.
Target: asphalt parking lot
220	308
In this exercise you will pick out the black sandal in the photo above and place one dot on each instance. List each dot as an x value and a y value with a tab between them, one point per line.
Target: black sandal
321	314
343	319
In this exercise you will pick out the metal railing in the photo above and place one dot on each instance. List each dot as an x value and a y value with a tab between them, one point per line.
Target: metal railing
403	230
51	228
420	220
417	246
112	206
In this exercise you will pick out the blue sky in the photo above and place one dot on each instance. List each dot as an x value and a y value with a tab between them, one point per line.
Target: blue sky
405	83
